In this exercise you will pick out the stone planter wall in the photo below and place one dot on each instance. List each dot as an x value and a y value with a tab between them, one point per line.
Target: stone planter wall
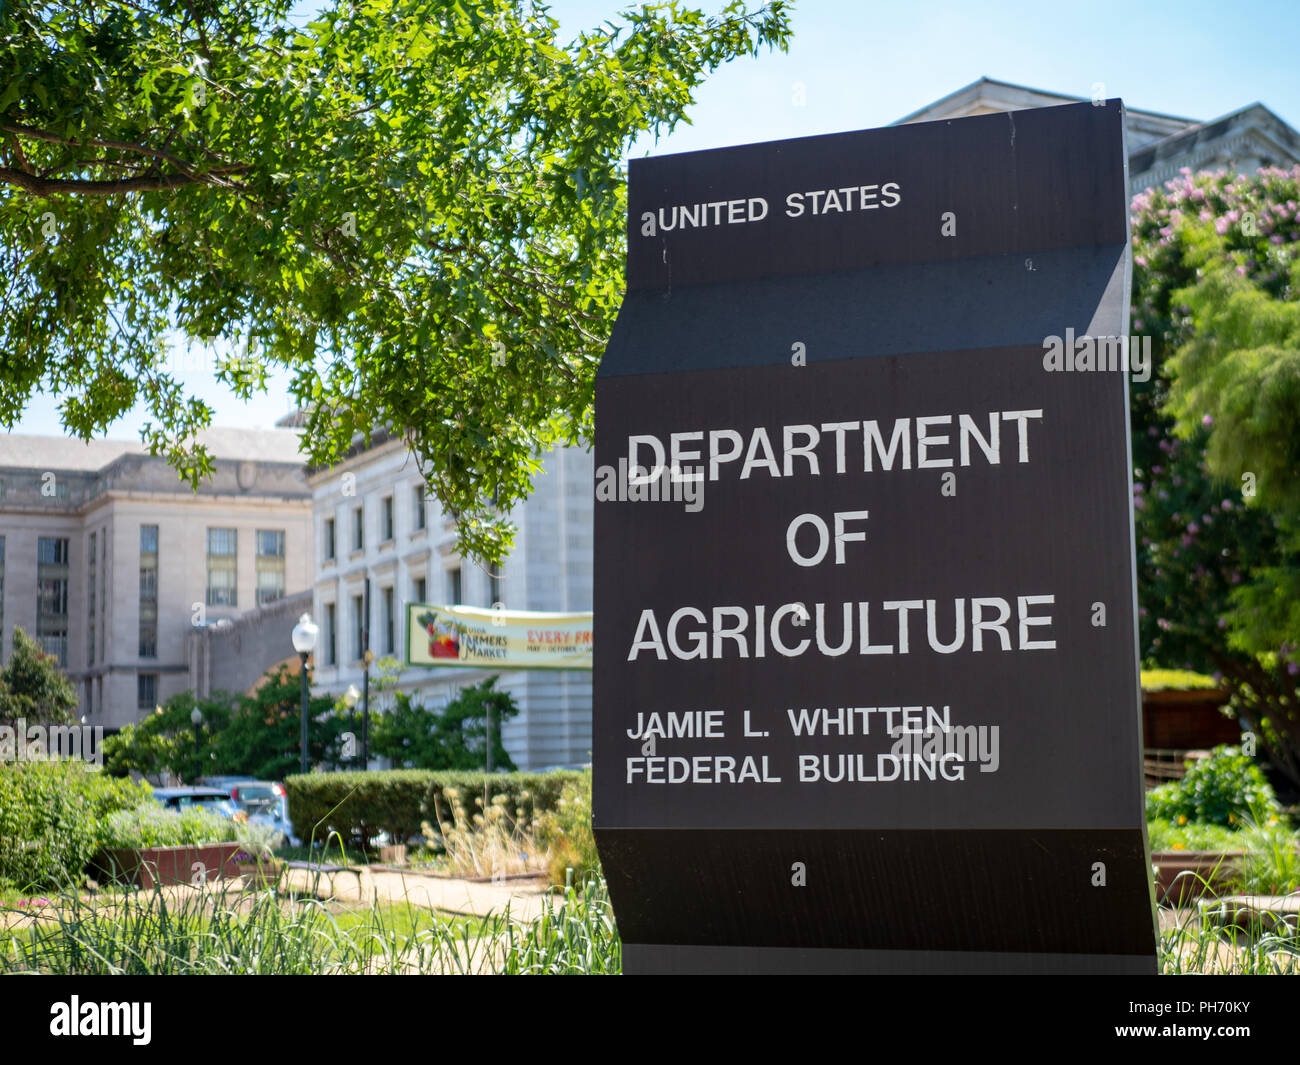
1208	873
171	865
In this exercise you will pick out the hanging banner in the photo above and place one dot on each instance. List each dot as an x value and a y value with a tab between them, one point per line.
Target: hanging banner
496	639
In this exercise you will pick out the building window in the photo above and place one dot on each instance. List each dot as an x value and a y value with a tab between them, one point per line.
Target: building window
329	539
52	596
453	586
222	569
148	644
270	565
146	691
358	627
421	589
358	528
92	559
390	621
52	551
387	519
417	506
331	634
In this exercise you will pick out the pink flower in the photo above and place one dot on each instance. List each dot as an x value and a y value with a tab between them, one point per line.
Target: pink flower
1207	419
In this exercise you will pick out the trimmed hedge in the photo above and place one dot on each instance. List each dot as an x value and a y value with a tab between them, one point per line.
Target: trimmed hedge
359	805
50	813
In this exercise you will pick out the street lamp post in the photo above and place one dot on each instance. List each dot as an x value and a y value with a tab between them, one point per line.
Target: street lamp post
367	657
304	642
350	698
196	719
365	709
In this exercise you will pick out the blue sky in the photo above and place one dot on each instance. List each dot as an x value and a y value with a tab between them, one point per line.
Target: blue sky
864	64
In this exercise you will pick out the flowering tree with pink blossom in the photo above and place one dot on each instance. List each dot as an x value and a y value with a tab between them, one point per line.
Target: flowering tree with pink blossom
1216	440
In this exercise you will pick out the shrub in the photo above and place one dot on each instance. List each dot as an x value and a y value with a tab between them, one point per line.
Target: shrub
357	805
398	801
49	817
149	825
1225	789
1272	862
1191	836
566	829
529	795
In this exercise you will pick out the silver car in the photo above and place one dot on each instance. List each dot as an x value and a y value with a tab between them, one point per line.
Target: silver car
263	801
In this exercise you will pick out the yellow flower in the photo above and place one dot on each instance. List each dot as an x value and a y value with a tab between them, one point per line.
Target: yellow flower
1177	847
1232	819
1182	819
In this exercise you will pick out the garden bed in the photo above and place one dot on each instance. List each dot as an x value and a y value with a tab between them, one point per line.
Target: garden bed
1182	876
148	866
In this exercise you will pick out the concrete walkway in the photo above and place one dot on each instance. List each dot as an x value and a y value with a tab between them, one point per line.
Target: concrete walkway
1278	914
523	897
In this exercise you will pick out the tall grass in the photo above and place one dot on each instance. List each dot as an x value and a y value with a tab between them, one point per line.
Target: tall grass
1207	942
181	931
492	842
187	932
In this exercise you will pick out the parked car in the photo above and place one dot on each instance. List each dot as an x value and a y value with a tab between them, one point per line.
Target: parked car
262	801
214	800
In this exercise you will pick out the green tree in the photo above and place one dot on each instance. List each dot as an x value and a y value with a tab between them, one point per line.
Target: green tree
454	737
1215	287
263	735
406	735
165	741
255	736
34	688
417	207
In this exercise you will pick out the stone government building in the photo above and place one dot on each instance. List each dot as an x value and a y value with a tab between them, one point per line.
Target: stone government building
372	521
113	564
144	589
1159	146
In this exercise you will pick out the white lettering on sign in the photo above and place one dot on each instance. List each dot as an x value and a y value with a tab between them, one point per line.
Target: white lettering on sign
744	210
693	634
806	450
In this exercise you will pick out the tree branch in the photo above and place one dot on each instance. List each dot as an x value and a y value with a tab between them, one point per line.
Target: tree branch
100	142
149	183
